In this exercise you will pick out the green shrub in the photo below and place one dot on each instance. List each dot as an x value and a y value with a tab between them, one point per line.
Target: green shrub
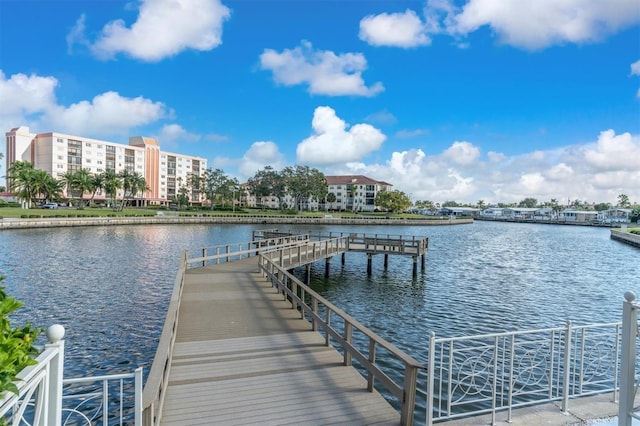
17	347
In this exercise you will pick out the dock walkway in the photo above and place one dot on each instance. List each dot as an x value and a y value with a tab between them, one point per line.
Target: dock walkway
242	355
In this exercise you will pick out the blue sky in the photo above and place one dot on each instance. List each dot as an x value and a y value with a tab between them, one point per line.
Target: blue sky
447	100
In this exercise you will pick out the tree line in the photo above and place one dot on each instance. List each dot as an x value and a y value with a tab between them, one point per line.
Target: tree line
295	187
31	185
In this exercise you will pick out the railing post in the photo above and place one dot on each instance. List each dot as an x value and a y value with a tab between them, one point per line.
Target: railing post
409	394
54	334
628	365
204	255
348	336
138	397
430	378
567	368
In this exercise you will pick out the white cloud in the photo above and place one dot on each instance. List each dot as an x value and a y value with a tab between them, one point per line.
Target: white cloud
332	143
31	100
613	152
260	155
106	114
462	153
594	172
172	134
23	94
322	70
163	28
394	29
536	24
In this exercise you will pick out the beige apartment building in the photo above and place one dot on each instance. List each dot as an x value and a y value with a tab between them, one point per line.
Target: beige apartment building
58	153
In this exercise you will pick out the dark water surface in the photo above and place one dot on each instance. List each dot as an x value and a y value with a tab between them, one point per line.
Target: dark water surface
109	286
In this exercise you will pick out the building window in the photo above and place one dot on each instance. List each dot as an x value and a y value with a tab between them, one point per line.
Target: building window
87	144
60	140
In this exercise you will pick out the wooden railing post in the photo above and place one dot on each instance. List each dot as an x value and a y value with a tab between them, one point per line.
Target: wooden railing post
348	337
409	400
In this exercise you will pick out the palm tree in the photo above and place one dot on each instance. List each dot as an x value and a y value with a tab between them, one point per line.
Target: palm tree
52	188
132	184
69	181
22	177
97	183
111	185
84	183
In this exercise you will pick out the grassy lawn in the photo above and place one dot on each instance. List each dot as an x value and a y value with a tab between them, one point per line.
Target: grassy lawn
16	212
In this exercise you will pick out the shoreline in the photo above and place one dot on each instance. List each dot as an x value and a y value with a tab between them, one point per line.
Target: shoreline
626	237
8	223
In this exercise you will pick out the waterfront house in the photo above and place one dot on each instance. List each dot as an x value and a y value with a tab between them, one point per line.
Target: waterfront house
582	216
615	216
459	211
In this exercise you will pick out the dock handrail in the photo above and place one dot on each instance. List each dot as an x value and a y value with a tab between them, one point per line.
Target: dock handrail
158	379
309	302
237	251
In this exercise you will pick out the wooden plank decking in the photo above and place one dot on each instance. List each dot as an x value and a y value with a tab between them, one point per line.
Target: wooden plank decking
243	356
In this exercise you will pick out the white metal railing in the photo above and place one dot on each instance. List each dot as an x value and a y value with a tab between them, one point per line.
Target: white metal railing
44	398
39	398
627	410
114	399
499	372
341	328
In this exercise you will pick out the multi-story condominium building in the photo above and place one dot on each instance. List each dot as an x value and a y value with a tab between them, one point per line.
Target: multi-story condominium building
57	153
355	192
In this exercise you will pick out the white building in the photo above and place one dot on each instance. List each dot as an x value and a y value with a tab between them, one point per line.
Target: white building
58	153
354	192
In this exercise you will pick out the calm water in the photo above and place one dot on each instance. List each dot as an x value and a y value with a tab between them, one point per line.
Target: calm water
109	286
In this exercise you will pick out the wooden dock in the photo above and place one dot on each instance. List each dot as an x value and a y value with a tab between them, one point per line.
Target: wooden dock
242	355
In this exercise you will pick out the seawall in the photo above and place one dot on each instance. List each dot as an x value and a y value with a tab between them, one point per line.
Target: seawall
196	220
626	237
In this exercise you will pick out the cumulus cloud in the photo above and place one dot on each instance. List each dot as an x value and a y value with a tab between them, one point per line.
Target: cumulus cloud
595	172
260	155
325	72
31	100
172	134
462	153
333	143
394	29
107	113
535	24
163	28
26	94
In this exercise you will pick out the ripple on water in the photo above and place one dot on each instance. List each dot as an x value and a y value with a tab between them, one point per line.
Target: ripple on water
109	286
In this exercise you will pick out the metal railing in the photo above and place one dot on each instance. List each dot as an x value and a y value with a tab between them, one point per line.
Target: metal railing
324	316
499	372
92	400
627	410
44	398
39	398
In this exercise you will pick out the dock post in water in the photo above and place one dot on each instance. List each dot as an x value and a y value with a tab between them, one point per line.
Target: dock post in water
369	262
